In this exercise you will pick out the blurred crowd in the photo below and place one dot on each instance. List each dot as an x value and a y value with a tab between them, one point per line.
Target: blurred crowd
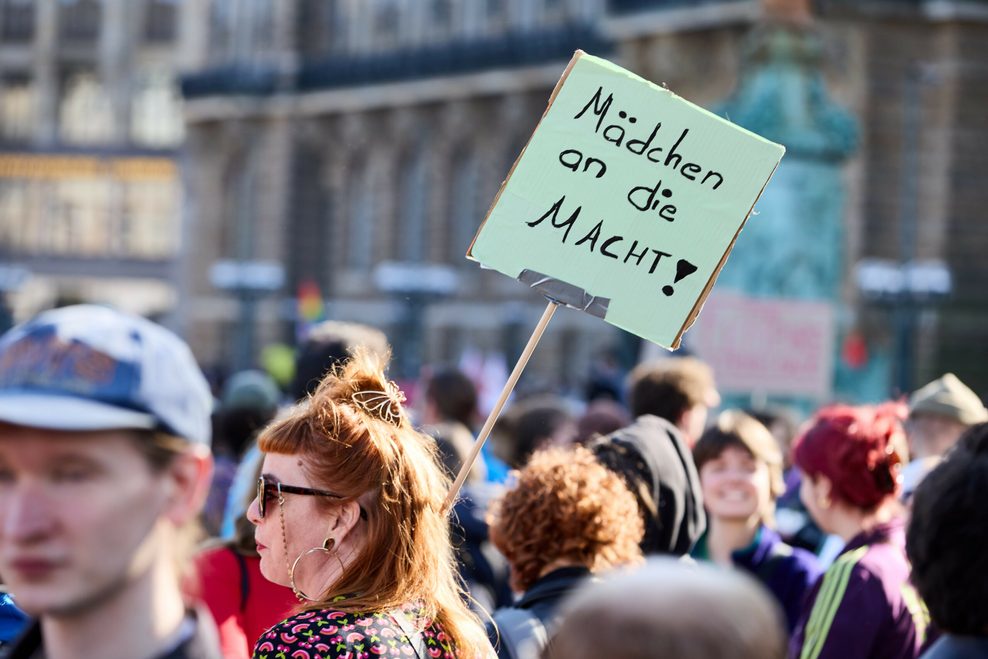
143	514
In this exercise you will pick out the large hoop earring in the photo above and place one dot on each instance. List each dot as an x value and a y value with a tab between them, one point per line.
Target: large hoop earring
327	547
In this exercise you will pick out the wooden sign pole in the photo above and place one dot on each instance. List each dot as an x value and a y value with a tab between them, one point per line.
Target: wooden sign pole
496	411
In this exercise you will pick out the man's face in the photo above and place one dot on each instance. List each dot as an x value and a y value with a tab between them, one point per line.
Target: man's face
78	516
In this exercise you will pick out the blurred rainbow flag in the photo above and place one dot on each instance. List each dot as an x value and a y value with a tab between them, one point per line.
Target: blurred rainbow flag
310	309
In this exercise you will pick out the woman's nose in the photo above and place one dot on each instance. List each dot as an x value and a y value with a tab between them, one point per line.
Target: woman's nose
254	512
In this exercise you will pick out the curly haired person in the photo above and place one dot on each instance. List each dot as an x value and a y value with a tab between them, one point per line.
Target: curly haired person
567	519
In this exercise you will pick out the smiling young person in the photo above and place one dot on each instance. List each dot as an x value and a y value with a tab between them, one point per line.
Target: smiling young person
740	470
104	467
349	515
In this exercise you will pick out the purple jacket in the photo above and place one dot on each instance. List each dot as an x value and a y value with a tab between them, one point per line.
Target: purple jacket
788	572
863	607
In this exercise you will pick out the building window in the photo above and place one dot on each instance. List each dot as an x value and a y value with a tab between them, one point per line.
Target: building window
156	113
414	203
79	20
387	18
16	109
241	30
17	21
15	219
87	207
441	17
85	114
149	222
362	216
464	214
160	20
321	28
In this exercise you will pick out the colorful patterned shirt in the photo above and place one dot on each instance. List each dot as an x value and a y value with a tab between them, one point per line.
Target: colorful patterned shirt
330	634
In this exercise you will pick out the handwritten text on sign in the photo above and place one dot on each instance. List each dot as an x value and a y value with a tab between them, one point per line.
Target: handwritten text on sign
629	194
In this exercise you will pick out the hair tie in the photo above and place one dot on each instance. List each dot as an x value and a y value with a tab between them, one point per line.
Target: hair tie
384	405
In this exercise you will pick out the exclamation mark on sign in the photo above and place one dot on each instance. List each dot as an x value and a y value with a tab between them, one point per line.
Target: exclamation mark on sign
683	269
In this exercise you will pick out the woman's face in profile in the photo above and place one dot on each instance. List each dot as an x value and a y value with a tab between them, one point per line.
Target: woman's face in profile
305	524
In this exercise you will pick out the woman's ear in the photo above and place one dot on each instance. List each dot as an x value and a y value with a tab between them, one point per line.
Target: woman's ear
190	473
347	516
822	488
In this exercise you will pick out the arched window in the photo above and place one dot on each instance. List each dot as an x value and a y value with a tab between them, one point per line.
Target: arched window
464	211
361	216
413	207
85	115
17	108
156	114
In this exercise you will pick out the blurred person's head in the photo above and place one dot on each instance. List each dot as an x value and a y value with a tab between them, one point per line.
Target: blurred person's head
602	417
655	462
673	609
450	406
740	469
349	505
104	465
249	401
530	424
680	390
327	345
565	509
782	424
850	458
939	413
450	396
947	535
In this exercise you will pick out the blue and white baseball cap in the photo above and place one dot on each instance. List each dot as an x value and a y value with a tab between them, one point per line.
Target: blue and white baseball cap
88	367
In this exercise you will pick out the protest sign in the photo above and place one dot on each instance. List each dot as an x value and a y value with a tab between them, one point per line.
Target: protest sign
625	204
766	347
626	201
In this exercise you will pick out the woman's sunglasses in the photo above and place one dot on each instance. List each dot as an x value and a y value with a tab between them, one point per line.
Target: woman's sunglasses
271	490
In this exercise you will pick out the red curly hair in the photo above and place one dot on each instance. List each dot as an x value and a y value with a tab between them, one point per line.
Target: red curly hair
566	506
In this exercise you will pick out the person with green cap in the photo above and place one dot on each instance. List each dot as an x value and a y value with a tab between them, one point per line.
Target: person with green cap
939	413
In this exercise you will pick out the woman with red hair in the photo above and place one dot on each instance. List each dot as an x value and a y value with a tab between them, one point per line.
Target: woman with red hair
349	516
863	606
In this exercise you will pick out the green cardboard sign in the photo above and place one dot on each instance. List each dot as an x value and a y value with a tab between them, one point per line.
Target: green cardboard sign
626	201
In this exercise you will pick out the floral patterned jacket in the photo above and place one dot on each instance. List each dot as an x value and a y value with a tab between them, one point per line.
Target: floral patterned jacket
330	634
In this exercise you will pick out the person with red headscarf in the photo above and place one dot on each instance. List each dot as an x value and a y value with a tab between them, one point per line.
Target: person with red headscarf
863	606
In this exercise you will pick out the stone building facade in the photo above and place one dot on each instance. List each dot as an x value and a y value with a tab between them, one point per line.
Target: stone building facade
331	137
90	123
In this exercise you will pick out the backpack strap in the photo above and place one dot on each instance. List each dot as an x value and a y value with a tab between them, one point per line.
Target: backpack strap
244	579
413	635
521	634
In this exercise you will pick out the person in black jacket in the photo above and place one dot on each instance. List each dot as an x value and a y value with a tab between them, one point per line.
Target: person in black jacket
567	519
670	400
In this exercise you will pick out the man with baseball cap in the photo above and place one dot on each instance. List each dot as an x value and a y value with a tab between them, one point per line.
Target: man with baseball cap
939	413
104	466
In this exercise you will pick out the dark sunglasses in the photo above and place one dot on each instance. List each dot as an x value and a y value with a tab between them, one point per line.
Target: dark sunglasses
270	490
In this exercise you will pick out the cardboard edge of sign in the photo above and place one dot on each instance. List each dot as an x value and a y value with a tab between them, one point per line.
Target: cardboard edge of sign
698	305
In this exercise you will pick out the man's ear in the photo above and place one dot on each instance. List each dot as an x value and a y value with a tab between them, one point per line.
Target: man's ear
191	473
